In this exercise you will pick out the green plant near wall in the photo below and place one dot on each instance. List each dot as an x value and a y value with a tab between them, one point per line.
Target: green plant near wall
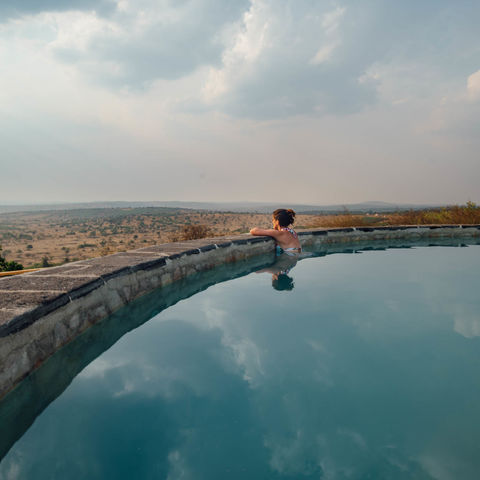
43	264
8	266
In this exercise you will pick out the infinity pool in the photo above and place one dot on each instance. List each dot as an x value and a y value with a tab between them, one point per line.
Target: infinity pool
343	366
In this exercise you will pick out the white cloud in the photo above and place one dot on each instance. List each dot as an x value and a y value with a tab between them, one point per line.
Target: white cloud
75	31
101	367
330	24
331	20
147	41
296	455
473	86
323	54
179	468
249	41
280	63
248	357
468	327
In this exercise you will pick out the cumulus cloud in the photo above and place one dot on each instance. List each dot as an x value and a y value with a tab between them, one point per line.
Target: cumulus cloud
473	85
290	58
286	59
264	58
144	41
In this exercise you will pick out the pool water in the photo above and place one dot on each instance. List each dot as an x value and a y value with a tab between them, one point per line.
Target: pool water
358	365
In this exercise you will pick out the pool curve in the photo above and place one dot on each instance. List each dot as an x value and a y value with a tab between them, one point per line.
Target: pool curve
42	311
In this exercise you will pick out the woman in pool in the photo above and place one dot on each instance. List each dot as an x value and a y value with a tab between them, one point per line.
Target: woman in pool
285	237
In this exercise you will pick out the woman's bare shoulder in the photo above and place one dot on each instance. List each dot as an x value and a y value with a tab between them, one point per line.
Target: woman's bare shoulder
268	232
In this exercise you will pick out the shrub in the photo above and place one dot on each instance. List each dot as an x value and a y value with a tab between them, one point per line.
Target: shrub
9	266
46	262
193	232
343	220
86	245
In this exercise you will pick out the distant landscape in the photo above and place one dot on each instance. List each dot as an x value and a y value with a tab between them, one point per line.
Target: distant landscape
42	236
239	207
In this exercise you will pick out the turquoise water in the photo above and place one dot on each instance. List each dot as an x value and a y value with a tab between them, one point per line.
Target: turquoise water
365	365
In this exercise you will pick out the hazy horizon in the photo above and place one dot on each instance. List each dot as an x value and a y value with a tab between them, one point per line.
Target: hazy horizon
285	101
227	202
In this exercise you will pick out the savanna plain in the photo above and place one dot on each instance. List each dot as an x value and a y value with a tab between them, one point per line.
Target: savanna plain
46	238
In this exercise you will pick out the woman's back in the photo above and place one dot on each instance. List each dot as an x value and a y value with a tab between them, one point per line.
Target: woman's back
288	239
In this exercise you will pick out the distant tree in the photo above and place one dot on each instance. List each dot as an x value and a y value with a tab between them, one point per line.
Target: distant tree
46	262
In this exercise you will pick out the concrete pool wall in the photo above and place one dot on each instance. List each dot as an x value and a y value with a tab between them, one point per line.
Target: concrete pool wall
42	311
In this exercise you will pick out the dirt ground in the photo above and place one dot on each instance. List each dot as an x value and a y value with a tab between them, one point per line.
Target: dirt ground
56	237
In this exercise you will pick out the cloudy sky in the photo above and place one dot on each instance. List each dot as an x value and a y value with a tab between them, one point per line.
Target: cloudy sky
229	100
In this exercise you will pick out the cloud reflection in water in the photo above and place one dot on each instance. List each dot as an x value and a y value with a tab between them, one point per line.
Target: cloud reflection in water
356	371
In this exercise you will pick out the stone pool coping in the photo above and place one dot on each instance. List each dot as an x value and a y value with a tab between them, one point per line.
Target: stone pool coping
42	311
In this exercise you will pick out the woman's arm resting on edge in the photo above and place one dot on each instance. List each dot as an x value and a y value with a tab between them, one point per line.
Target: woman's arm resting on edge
261	231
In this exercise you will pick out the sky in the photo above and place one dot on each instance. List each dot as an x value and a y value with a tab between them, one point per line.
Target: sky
291	101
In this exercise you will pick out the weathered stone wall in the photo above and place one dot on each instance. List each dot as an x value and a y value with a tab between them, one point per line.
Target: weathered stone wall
42	311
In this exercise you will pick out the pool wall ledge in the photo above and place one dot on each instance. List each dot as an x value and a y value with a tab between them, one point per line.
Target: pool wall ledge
44	310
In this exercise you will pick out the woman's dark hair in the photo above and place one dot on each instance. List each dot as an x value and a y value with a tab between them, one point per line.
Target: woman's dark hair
284	217
283	282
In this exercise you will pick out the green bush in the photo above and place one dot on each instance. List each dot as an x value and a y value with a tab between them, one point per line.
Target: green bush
9	266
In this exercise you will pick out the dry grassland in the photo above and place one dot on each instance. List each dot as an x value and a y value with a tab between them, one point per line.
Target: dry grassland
458	214
56	237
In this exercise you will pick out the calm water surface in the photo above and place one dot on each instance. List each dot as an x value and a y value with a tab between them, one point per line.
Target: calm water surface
367	368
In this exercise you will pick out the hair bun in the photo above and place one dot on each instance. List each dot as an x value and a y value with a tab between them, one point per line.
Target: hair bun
285	217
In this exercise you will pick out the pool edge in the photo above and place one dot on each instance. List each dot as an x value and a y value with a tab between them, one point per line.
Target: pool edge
42	311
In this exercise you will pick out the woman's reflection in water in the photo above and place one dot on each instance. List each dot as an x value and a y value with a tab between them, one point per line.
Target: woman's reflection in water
282	281
280	269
